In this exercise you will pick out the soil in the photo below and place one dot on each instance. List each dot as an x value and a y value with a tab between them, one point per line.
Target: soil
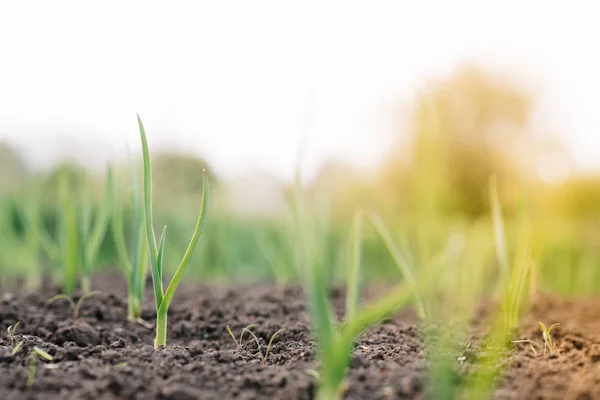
104	356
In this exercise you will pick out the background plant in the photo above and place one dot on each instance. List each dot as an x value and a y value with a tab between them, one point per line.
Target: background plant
135	265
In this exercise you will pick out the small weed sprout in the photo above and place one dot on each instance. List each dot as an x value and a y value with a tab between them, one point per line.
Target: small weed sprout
549	345
264	358
74	306
239	343
35	353
11	332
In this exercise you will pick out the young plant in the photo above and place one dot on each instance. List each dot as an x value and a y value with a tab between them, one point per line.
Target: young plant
134	265
402	261
74	306
336	340
11	332
264	358
79	233
240	342
35	353
163	298
514	296
549	345
92	229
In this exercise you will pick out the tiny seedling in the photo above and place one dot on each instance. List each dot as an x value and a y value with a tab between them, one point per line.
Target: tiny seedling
264	358
35	353
11	332
549	345
164	298
74	306
16	349
239	343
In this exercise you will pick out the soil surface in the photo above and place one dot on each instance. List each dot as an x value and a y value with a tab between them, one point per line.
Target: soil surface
104	356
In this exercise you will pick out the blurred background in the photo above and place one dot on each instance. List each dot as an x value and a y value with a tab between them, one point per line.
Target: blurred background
404	108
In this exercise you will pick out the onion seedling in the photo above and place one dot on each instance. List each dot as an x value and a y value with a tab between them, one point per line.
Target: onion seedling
336	340
549	345
134	266
11	332
402	262
16	349
74	306
35	353
163	298
92	229
514	297
80	234
240	342
264	358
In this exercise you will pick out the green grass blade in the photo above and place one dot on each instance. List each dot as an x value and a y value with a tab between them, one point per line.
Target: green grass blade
499	233
118	231
310	267
379	310
270	344
100	222
70	240
43	354
140	249
61	297
153	248
140	266
161	252
400	261
354	251
170	292
232	335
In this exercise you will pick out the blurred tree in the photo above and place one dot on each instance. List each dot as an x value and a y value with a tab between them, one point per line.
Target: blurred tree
464	129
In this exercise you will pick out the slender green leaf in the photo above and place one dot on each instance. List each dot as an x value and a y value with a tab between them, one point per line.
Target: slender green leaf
170	292
153	249
354	251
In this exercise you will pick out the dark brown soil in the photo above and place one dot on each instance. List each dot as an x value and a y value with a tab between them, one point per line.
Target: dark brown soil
104	356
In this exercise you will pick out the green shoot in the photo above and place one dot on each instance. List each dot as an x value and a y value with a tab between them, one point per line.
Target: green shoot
400	260
499	234
240	342
514	297
36	352
134	266
354	250
163	298
69	239
16	349
80	235
92	234
336	340
264	358
43	354
76	307
549	345
11	332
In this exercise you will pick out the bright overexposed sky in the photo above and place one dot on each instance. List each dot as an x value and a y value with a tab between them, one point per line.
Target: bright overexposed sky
238	82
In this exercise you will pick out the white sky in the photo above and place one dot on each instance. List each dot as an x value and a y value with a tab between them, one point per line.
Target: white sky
232	80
